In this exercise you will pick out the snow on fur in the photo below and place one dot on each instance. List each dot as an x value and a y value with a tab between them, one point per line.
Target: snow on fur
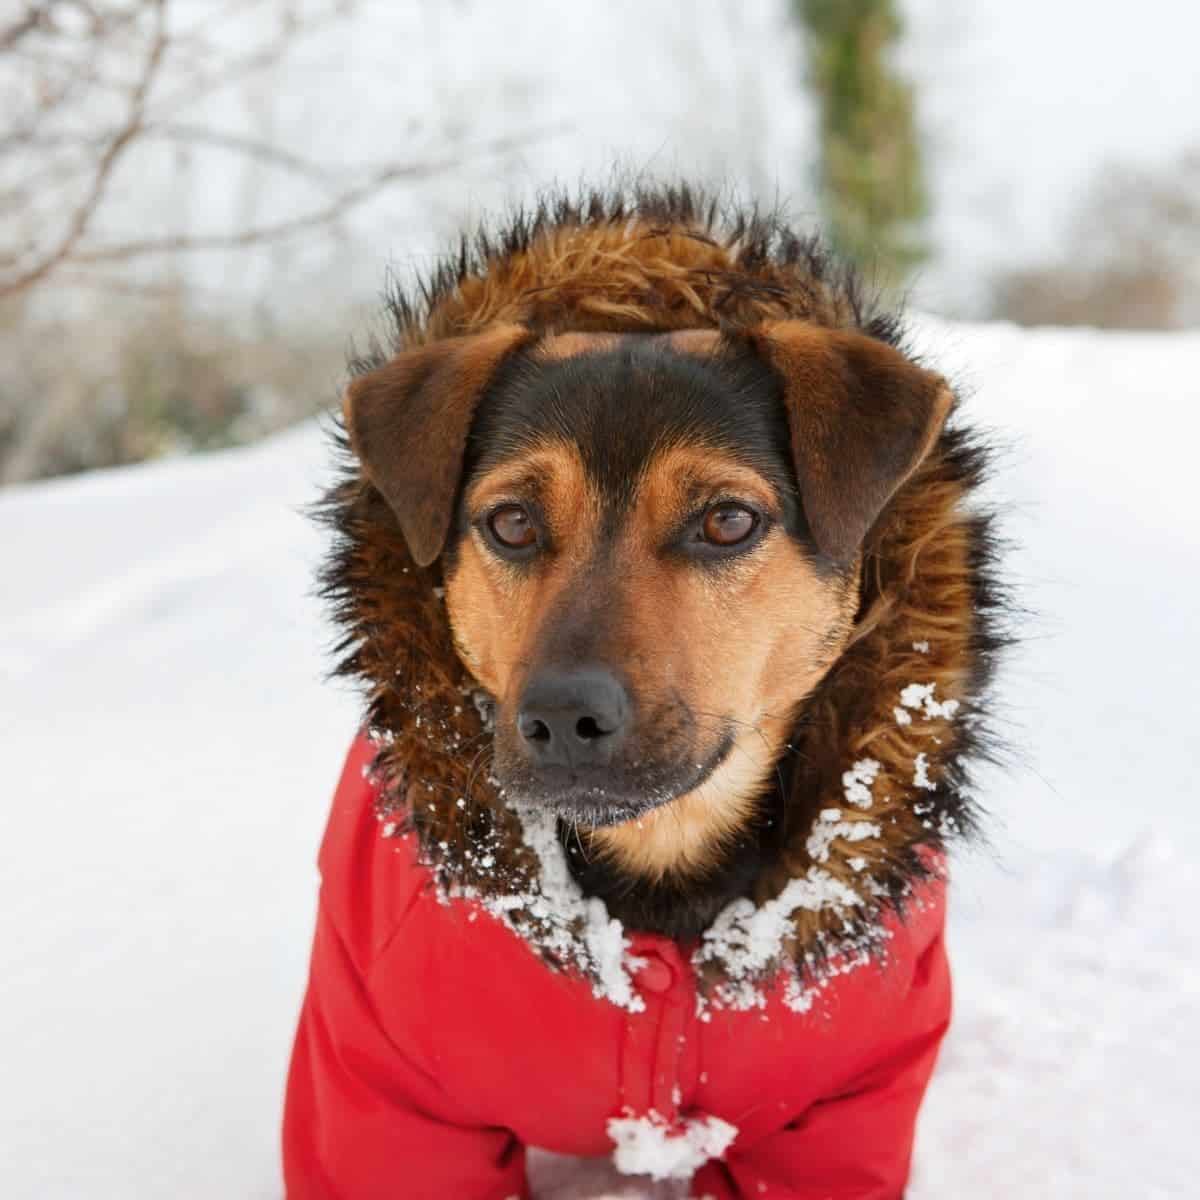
920	697
920	777
830	826
748	941
858	780
555	916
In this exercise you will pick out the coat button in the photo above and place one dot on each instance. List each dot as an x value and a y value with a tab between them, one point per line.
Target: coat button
655	975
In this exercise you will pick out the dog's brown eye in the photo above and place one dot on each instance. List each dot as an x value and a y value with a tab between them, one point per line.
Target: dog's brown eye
728	524
511	526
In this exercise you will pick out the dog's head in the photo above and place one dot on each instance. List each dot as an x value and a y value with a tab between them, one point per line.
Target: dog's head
651	547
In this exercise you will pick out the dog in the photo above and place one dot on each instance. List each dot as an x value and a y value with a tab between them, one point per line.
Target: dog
655	555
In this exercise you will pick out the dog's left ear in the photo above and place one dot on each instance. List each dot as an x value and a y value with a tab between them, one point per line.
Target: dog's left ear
408	423
861	417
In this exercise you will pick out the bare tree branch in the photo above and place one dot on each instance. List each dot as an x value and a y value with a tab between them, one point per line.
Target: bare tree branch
237	143
34	16
238	69
182	133
325	215
86	209
89	80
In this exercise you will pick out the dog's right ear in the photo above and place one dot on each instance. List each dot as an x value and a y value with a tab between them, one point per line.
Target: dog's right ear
408	423
862	417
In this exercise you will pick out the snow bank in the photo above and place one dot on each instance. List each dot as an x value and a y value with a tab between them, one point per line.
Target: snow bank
1072	1067
168	748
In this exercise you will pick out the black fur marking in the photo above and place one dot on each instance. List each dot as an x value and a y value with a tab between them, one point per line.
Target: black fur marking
620	407
677	908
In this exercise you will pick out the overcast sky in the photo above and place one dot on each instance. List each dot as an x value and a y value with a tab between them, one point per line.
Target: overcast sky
1021	101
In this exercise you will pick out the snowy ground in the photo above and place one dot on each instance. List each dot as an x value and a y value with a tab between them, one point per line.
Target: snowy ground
167	750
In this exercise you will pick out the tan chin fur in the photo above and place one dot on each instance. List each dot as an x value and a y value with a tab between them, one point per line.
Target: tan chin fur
663	264
688	835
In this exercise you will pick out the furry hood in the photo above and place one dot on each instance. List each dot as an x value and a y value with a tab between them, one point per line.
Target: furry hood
877	780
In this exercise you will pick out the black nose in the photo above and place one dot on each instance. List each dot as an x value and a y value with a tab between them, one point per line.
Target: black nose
573	718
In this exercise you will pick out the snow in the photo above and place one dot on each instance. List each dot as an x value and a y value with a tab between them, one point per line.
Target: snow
1071	1069
650	1146
858	780
921	773
557	917
168	747
831	826
747	939
920	697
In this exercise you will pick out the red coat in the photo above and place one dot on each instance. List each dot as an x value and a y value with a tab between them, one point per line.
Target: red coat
434	1045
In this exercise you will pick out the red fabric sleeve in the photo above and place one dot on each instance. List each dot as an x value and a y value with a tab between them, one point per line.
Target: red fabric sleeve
362	1122
856	1145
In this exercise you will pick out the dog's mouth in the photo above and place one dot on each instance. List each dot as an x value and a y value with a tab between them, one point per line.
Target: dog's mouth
611	795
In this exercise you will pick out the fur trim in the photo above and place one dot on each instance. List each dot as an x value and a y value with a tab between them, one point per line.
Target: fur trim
879	768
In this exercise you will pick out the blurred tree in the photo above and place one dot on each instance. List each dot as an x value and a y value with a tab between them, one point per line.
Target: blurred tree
871	176
116	118
1130	258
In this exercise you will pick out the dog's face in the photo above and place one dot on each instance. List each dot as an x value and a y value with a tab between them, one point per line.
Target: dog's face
649	560
632	580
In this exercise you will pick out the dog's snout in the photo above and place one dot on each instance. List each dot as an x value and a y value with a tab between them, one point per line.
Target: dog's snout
573	718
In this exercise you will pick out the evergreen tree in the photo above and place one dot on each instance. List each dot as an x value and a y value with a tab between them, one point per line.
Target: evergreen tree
871	178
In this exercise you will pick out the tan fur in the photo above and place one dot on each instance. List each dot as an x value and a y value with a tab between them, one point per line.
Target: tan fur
568	345
758	639
497	614
699	342
918	576
685	837
627	277
743	648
